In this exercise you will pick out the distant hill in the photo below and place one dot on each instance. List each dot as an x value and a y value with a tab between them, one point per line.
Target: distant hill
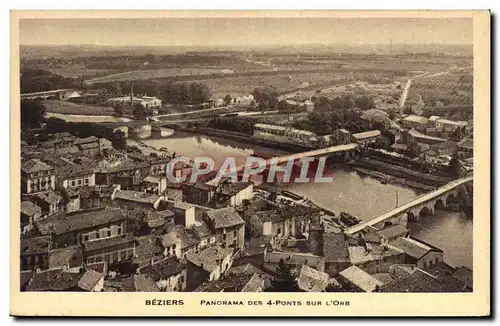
28	52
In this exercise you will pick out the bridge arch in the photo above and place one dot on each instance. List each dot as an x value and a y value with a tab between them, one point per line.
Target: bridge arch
440	204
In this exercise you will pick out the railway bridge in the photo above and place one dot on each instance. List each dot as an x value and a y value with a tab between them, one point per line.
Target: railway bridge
422	205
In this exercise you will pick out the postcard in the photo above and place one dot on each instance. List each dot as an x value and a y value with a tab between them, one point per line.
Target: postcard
250	163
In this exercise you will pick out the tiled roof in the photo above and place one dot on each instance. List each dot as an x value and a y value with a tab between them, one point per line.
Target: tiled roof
147	247
163	269
201	230
359	255
464	275
231	189
312	280
63	223
225	217
234	283
62	257
139	283
207	258
90	139
30	209
293	258
417	119
99	191
49	196
38	245
366	134
89	280
137	196
412	247
158	218
71	170
35	165
335	247
420	281
270	216
360	278
53	280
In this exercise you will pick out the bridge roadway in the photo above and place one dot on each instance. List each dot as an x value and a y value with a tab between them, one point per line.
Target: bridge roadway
45	94
313	153
407	206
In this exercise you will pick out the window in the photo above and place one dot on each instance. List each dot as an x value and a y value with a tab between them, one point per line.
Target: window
90	260
109	233
115	256
123	254
80	182
72	183
119	231
98	259
97	235
279	231
86	181
235	234
86	237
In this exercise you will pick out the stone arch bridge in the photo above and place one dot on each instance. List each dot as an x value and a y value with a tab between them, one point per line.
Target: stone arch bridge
422	205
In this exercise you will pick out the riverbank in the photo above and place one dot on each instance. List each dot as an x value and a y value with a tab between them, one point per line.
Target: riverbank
385	178
400	172
245	138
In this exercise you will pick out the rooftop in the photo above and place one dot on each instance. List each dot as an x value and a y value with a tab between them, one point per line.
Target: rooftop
393	231
421	281
412	247
207	258
225	217
366	134
464	275
38	245
35	165
312	280
335	247
416	119
139	283
359	255
233	283
64	223
89	280
64	256
49	196
360	278
54	280
163	269
30	209
231	189
293	258
137	196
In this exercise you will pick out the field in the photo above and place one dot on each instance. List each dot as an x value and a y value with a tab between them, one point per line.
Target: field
66	107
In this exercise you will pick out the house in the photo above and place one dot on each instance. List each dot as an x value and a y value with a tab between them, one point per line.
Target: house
67	229
139	283
54	281
184	213
170	274
174	192
292	259
232	194
418	252
67	259
277	224
129	199
35	253
234	283
434	158
148	248
49	201
466	147
71	199
336	253
153	185
198	193
206	236
358	280
414	121
29	214
228	225
112	250
392	232
464	275
450	127
178	242
422	281
376	115
375	259
92	197
311	280
158	221
207	265
366	138
72	175
414	136
37	176
91	281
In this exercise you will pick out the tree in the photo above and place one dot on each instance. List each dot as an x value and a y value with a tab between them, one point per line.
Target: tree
139	112
227	100
283	105
118	140
32	113
253	228
365	103
407	110
283	280
266	97
118	109
454	168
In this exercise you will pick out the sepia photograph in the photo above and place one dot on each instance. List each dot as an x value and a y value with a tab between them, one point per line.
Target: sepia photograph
318	160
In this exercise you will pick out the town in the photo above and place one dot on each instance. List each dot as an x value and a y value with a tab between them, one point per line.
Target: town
98	212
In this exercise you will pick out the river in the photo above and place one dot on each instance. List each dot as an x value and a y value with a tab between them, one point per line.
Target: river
361	196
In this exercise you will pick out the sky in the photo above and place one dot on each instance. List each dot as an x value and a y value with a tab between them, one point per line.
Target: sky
244	31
